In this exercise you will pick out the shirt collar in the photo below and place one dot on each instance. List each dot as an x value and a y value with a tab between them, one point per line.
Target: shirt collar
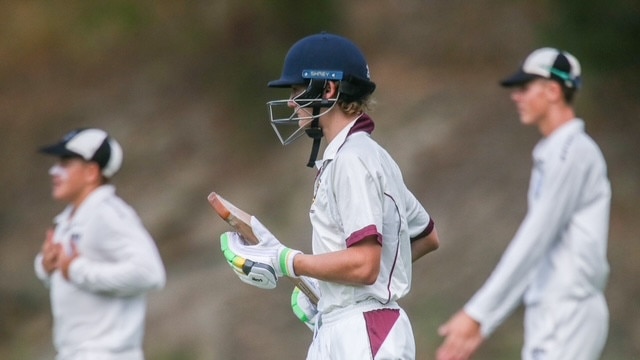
362	123
99	194
571	127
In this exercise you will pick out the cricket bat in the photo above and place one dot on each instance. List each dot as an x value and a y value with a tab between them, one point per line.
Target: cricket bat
241	222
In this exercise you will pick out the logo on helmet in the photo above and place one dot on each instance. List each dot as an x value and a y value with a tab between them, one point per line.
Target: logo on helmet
322	74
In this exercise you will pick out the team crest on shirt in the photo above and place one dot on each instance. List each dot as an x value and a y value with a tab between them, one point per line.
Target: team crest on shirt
74	239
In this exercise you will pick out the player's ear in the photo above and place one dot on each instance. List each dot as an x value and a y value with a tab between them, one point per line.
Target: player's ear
331	90
93	172
554	90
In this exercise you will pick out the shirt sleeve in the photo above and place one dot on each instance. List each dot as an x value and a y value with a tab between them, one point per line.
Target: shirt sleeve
504	289
360	204
41	273
131	265
418	219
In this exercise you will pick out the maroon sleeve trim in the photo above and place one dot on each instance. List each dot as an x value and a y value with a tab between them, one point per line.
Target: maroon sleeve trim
359	235
426	231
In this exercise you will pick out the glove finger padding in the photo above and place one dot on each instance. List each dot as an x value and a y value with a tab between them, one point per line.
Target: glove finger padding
263	234
302	307
252	271
283	261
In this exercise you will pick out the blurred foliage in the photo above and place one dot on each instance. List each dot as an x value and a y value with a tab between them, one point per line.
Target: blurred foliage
602	34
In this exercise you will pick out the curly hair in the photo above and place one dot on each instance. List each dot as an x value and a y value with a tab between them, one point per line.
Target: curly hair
356	102
355	106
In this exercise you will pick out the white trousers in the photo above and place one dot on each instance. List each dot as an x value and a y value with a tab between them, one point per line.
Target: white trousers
567	330
135	354
363	331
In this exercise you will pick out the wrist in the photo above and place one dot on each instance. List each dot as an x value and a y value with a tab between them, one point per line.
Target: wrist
286	258
66	266
48	266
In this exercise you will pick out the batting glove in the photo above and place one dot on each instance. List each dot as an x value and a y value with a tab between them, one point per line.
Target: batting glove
302	307
260	265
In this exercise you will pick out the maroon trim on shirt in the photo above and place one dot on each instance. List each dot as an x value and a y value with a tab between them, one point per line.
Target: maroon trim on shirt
426	231
359	235
379	324
364	123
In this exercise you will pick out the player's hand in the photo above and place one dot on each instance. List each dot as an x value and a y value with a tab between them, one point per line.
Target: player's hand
281	256
64	260
260	265
302	307
259	274
462	337
50	252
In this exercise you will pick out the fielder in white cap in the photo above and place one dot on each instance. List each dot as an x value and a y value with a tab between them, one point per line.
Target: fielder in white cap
556	264
98	261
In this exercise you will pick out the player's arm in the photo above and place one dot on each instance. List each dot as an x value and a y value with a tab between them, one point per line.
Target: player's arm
422	228
425	244
359	264
135	266
503	290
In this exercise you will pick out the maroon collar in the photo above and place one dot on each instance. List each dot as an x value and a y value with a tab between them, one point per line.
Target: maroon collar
364	123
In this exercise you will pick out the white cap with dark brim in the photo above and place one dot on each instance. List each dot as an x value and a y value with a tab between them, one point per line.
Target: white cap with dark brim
91	145
548	63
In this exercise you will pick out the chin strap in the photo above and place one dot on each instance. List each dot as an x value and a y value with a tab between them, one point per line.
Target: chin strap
314	132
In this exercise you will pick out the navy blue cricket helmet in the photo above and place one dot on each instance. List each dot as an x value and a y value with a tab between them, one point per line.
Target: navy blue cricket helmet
311	63
325	56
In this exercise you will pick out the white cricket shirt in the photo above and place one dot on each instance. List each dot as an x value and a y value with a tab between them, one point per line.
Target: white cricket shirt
358	192
100	312
559	252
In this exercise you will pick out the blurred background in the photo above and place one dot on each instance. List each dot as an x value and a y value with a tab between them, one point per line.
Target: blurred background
182	86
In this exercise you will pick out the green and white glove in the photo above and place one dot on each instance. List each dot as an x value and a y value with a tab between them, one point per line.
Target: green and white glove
260	265
302	307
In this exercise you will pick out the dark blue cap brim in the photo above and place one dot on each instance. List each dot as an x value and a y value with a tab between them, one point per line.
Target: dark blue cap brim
519	78
58	150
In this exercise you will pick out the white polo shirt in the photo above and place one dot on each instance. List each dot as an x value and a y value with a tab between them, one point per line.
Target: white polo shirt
99	313
359	191
559	253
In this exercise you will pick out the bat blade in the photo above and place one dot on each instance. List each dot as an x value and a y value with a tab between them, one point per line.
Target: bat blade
241	221
234	216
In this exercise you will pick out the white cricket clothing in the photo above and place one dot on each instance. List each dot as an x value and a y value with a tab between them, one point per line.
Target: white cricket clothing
99	313
366	330
559	253
566	330
359	192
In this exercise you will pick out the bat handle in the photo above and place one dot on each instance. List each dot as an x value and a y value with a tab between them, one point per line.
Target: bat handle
307	290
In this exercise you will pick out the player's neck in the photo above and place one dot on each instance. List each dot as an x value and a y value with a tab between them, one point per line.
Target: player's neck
333	123
557	116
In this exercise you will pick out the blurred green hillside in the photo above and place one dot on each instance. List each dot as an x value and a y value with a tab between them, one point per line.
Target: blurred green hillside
182	86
